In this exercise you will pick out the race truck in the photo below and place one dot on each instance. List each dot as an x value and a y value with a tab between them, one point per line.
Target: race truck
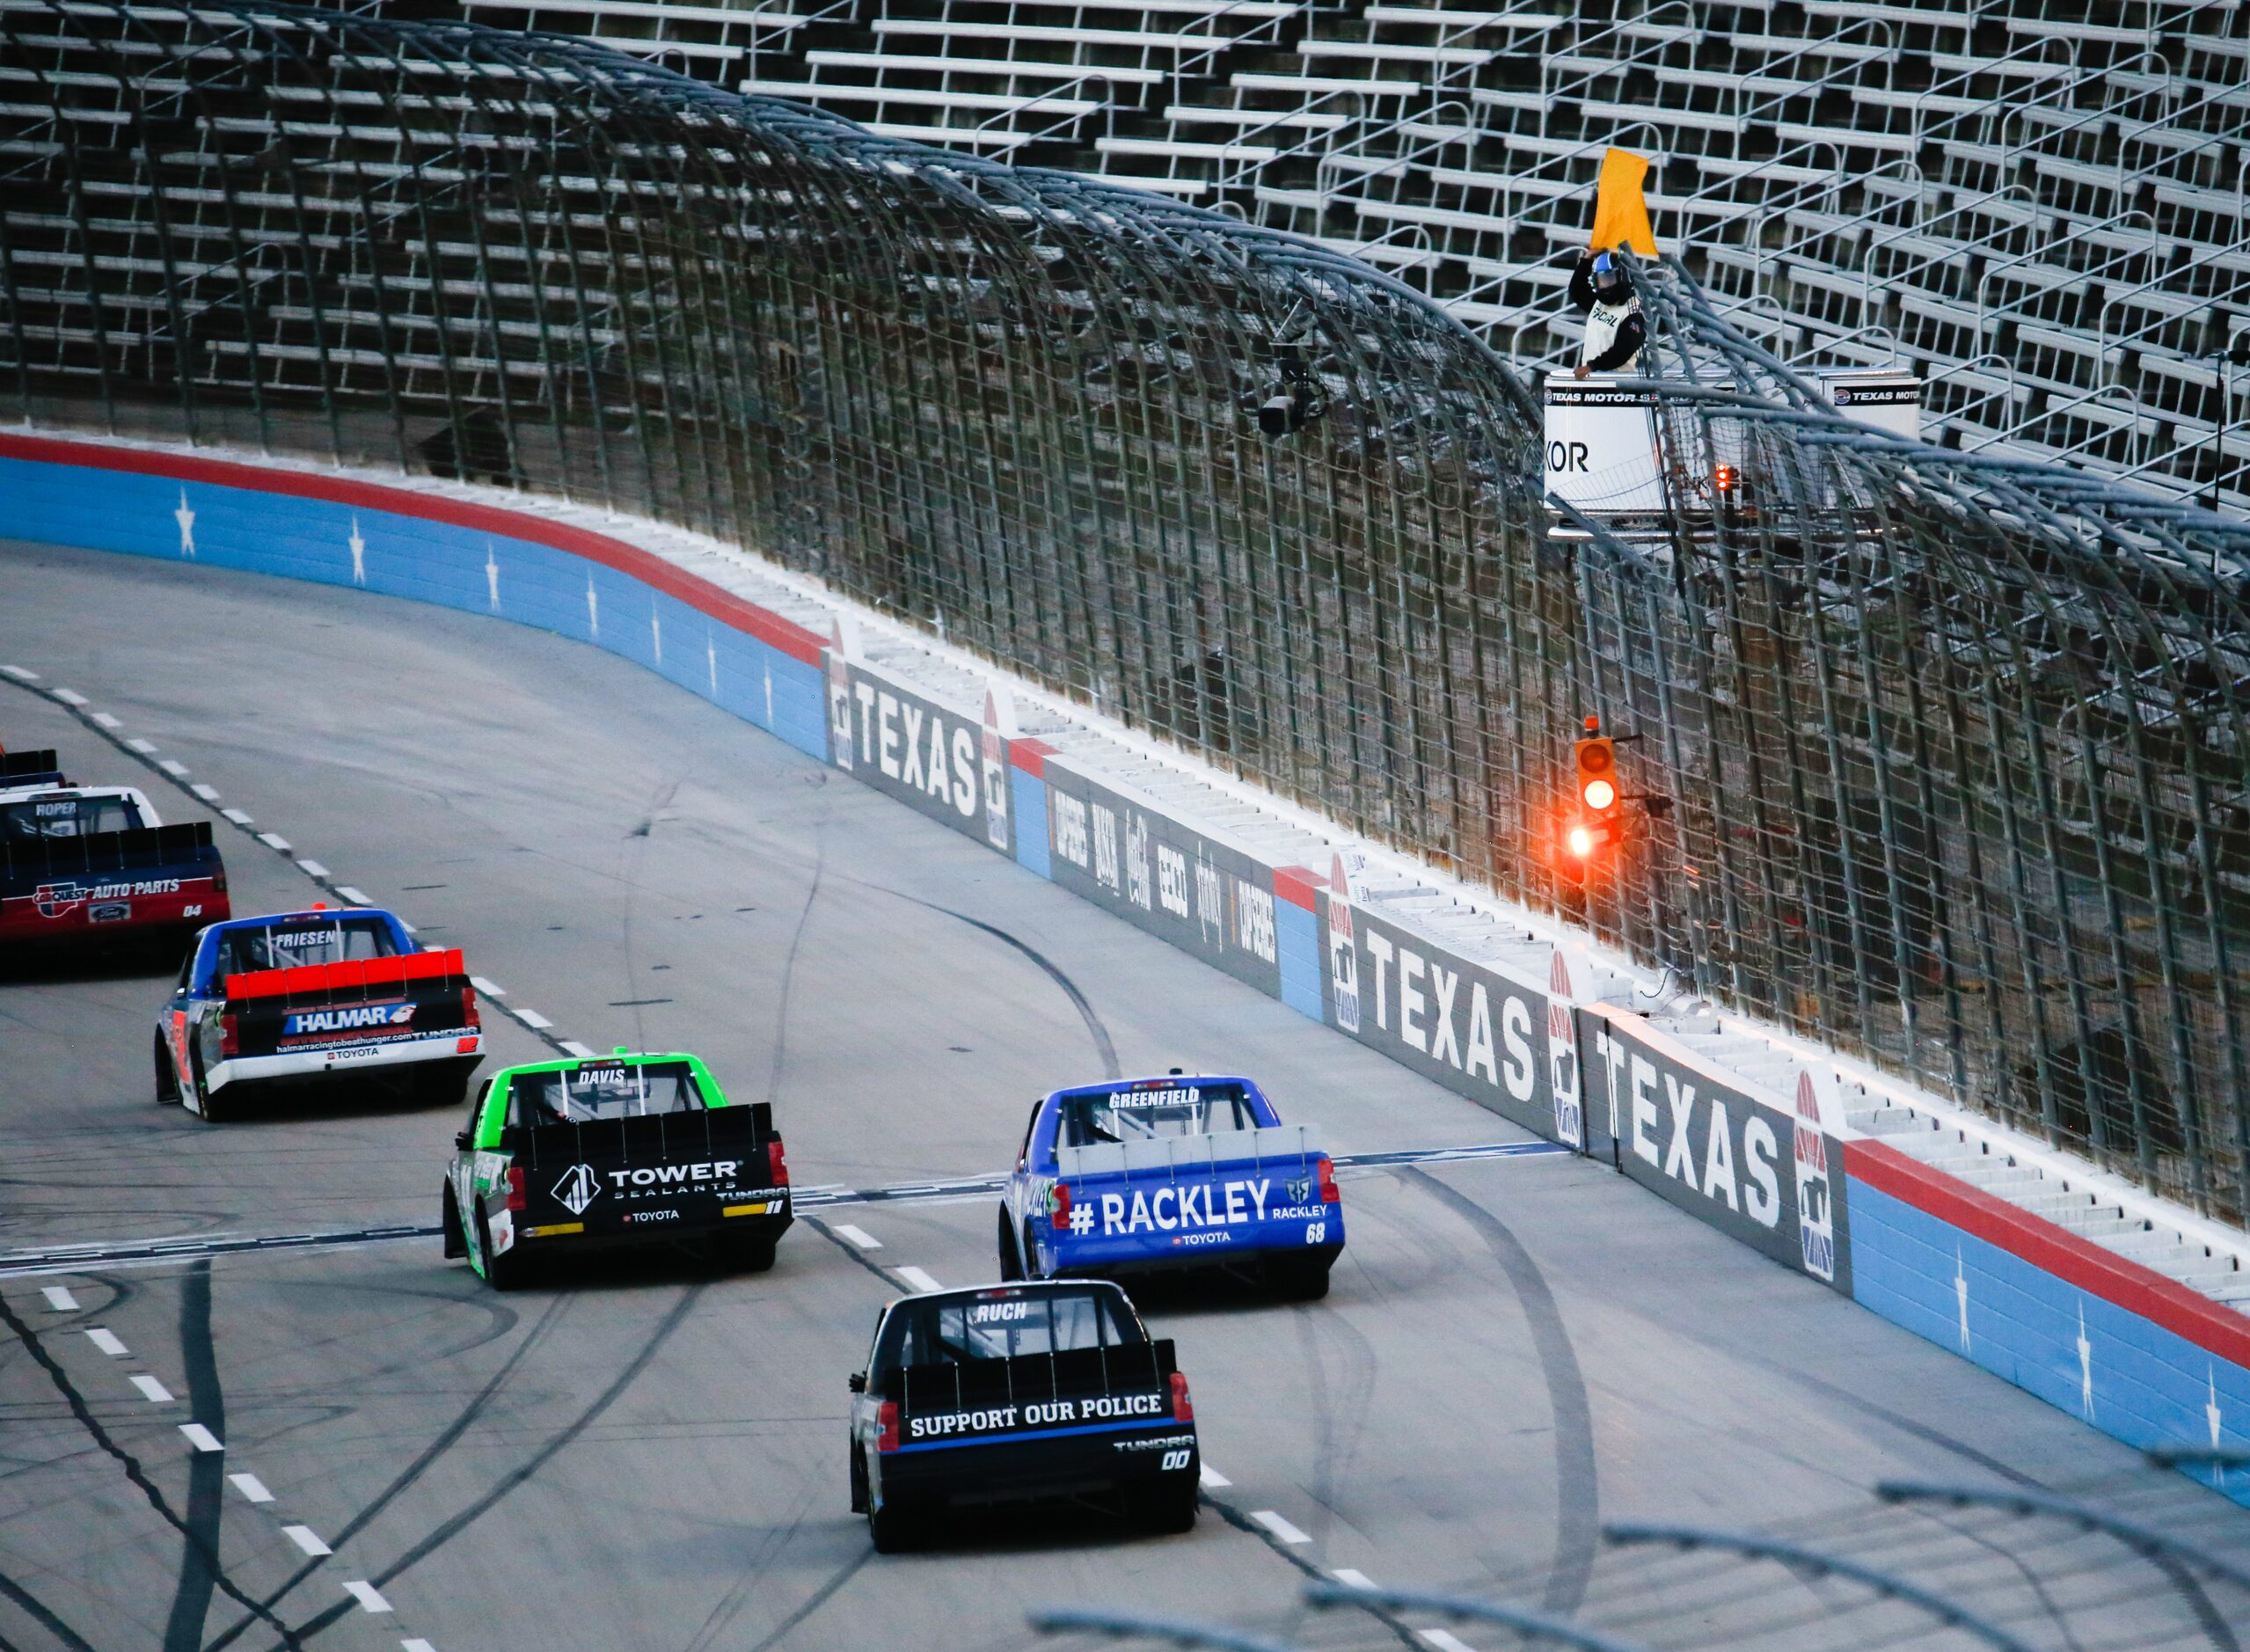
1155	1174
562	1158
323	993
91	866
1045	1392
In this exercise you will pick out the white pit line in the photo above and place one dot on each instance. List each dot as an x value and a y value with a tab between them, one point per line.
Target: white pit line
60	1299
146	747
253	1487
275	840
858	1236
105	1340
1212	1479
306	1538
152	1390
369	1599
200	1437
918	1280
1278	1527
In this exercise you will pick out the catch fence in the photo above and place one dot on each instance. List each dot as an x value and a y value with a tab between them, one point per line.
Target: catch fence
1954	752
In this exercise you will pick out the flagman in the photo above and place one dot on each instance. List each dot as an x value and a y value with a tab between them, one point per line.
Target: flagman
1615	330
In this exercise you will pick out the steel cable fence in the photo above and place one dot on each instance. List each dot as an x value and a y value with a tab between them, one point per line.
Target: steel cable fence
1957	756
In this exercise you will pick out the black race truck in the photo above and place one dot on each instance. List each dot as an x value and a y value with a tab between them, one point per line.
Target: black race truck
1041	1391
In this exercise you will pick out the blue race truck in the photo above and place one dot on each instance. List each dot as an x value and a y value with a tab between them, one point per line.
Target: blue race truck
1146	1175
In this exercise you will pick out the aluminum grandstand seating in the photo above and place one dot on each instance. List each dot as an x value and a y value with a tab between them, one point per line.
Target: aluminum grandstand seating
2040	204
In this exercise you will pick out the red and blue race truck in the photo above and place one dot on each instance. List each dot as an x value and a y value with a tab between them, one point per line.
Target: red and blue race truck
300	997
93	866
1146	1175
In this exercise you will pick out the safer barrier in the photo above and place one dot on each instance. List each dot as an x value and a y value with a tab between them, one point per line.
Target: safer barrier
2135	1353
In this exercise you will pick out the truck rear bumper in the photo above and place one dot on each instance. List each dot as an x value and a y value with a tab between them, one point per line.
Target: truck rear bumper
1064	1468
572	1238
461	1045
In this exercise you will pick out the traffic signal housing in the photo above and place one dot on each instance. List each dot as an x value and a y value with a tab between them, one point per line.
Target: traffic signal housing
1597	826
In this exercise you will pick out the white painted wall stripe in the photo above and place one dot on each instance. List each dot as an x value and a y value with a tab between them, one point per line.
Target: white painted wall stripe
366	1594
200	1437
1213	1480
306	1538
253	1487
105	1339
1278	1527
917	1280
275	840
858	1236
152	1390
60	1299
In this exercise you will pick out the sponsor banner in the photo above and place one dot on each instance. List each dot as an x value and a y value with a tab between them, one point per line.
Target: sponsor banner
1764	1173
1091	1413
1479	1032
950	767
1203	896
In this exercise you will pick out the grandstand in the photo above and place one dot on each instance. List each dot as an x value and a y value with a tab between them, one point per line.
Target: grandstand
2036	204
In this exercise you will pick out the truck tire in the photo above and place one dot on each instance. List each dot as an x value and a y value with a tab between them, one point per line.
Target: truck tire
449	1223
206	1107
1299	1278
859	1479
1172	1508
890	1528
1030	1254
1011	1265
446	1086
753	1255
167	1075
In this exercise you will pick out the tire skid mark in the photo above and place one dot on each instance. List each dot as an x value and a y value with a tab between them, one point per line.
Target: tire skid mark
1578	1517
42	1614
448	1529
819	1598
135	1472
1102	1045
191	1600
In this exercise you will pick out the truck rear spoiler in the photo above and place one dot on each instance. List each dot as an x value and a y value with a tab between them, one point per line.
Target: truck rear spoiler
144	849
357	979
30	768
654	1139
1028	1379
1191	1155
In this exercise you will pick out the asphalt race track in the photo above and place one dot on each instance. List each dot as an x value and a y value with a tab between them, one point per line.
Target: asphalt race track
1516	1348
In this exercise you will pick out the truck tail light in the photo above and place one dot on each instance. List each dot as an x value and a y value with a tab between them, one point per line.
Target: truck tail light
1058	1204
777	1162
230	1044
1329	1194
219	879
469	1016
887	1426
1183	1408
515	1199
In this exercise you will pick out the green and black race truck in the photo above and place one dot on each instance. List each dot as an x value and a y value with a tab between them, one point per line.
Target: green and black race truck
565	1157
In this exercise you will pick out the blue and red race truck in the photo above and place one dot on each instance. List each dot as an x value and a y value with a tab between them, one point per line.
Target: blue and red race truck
296	996
94	865
1146	1175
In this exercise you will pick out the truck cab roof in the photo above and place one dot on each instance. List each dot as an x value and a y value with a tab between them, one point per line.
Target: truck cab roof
49	810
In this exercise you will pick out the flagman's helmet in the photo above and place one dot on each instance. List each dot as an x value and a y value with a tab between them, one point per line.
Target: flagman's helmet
1609	278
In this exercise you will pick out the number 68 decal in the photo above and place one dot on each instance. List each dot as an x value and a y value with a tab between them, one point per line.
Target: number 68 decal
1175	1460
1315	1232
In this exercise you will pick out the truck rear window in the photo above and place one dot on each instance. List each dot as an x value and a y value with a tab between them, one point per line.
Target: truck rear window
1128	1115
598	1089
948	1331
32	817
314	939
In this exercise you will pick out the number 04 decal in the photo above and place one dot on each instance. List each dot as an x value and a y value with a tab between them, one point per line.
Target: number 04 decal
1315	1232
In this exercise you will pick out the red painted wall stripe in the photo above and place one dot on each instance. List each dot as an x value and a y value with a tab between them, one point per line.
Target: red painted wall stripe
651	569
1030	755
2052	1250
1299	886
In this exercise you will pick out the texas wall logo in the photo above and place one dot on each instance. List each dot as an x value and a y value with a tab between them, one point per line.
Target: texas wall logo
839	698
1816	1215
579	1187
1343	958
995	773
59	900
1562	1059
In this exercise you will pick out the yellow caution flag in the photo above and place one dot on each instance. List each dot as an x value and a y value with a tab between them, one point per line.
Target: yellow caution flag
1620	209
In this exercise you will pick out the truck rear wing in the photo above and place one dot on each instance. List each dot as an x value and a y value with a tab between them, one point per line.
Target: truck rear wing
22	769
1293	1144
185	849
311	986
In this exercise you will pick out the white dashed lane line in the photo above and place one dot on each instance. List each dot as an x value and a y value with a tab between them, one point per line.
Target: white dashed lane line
357	898
572	1047
1351	1577
152	1390
917	1280
146	747
173	767
70	697
235	815
106	721
1445	1641
60	1299
858	1236
106	1341
200	1437
209	793
531	1019
369	1599
251	1486
19	674
306	1538
489	989
416	1645
274	841
1278	1527
1212	1479
314	868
